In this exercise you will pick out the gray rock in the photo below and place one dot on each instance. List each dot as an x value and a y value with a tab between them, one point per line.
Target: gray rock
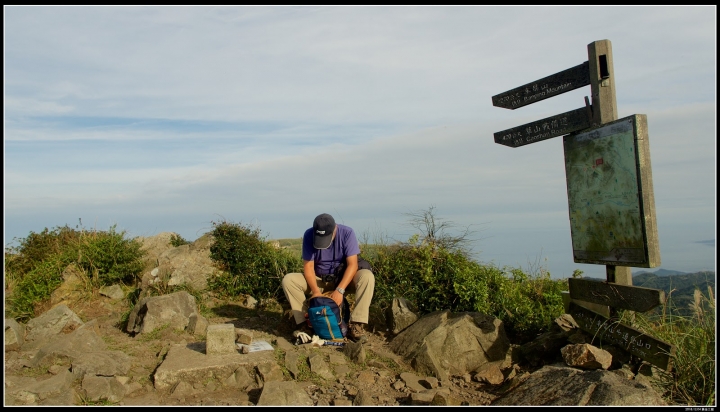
469	339
444	398
291	364
154	246
319	366
188	264
545	349
283	393
355	352
113	292
423	398
183	364
74	346
491	373
363	399
155	312
586	356
242	378
14	334
197	324
99	388
220	339
284	345
103	363
48	325
270	371
33	391
565	386
401	314
412	382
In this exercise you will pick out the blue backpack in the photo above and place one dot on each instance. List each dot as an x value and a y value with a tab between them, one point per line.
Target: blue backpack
327	320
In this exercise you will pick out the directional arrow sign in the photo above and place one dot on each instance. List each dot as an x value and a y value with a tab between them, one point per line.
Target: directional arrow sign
633	298
544	129
553	85
646	347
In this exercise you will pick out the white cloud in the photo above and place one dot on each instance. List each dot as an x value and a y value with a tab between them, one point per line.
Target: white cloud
34	107
165	116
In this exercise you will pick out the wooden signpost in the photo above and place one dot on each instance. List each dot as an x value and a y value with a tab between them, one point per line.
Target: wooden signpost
553	85
610	197
554	126
643	346
632	298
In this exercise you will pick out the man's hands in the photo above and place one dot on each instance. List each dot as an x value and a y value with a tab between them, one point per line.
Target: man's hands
337	297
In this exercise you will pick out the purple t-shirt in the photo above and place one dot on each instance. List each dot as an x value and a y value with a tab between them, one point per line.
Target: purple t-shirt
327	260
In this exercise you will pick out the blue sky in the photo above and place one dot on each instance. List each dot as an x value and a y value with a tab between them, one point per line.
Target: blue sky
171	118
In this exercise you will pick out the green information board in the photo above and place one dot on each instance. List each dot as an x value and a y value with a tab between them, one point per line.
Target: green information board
610	196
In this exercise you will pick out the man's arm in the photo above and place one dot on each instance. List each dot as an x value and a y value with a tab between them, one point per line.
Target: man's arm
309	273
350	271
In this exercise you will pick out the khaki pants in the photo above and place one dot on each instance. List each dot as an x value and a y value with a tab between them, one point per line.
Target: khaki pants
296	290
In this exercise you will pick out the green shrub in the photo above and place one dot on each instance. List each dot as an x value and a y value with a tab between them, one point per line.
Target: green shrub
528	305
177	240
435	271
40	259
250	265
109	257
36	287
36	248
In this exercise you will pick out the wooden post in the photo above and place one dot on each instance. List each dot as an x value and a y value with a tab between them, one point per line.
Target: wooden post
618	274
602	82
604	108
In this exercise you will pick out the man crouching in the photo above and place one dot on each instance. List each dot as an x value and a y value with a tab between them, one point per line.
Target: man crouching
330	263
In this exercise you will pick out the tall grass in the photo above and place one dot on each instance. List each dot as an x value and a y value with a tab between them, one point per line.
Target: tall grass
693	366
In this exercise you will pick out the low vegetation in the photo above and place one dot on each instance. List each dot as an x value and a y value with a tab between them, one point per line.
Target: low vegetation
432	269
250	265
34	268
177	240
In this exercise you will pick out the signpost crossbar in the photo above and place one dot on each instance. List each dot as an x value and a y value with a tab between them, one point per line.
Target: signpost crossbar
637	299
544	129
545	88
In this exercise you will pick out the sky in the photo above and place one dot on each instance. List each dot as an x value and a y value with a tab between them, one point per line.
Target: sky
159	119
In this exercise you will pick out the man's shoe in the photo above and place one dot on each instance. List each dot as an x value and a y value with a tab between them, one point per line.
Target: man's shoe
357	333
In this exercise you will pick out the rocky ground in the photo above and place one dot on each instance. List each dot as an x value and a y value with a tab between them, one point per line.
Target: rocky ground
382	378
378	378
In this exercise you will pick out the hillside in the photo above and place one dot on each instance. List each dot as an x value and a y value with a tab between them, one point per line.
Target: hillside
678	288
661	272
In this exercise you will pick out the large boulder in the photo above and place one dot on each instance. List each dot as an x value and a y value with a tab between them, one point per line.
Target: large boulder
154	246
444	344
57	320
14	334
173	310
188	264
85	352
565	386
401	314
